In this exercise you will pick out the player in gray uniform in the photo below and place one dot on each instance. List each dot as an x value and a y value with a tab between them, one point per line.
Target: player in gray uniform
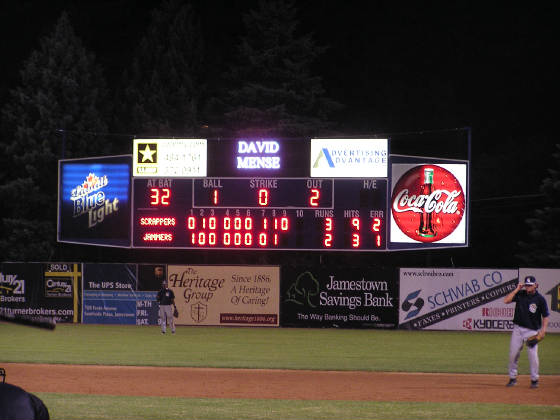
530	318
166	299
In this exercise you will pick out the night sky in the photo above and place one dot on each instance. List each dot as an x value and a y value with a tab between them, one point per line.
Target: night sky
397	67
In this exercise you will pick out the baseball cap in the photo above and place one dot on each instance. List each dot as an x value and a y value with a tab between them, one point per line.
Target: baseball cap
530	281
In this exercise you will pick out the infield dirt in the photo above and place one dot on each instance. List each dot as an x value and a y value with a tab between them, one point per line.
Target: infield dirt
279	384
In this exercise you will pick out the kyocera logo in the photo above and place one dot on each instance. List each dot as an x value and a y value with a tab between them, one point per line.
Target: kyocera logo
487	324
258	154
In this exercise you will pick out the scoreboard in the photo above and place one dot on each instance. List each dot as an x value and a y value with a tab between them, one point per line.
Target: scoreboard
260	213
347	194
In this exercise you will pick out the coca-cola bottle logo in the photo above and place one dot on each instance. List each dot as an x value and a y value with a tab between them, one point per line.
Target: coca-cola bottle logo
428	203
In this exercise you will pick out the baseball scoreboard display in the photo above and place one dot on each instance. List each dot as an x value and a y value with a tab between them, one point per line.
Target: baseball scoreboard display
260	213
272	194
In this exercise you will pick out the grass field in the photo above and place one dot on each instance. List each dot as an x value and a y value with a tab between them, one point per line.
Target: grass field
264	348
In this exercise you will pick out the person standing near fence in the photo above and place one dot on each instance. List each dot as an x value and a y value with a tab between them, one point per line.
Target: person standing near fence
530	318
166	299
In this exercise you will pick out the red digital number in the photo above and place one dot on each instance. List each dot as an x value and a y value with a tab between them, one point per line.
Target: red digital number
376	227
282	223
355	221
263	197
314	198
232	231
327	241
159	197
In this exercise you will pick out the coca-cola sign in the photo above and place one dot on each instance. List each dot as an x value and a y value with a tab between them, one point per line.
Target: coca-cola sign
428	203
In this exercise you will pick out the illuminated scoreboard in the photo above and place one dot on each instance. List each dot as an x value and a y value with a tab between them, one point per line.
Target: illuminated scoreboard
319	194
342	214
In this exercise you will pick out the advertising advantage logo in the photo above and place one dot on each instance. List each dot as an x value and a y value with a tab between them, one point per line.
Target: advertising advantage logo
428	203
349	158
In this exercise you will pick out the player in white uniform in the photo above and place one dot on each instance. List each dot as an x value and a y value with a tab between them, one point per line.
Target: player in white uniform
530	318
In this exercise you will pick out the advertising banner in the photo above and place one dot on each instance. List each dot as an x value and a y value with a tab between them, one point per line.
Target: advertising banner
456	299
94	201
342	297
226	295
429	203
41	289
110	296
548	285
349	158
258	157
169	157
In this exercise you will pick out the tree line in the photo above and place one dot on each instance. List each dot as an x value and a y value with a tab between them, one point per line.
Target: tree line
64	107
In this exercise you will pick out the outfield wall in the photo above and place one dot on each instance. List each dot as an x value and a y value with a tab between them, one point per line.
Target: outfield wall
469	299
41	289
340	297
273	296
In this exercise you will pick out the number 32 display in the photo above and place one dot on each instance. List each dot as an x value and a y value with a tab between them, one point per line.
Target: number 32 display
260	213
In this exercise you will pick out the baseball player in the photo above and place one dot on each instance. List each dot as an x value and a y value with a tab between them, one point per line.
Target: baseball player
530	318
166	299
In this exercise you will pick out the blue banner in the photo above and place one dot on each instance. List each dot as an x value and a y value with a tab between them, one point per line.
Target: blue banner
111	296
120	307
94	201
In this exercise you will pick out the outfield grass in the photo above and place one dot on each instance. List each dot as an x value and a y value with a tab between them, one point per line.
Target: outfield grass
273	348
74	406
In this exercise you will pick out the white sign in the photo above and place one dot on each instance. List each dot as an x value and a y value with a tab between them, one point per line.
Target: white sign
456	299
349	158
226	295
454	225
169	157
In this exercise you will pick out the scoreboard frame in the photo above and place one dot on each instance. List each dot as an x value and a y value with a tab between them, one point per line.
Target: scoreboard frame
278	218
315	184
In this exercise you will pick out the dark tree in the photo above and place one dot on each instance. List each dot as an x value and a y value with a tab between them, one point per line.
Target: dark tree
543	246
53	113
273	90
163	86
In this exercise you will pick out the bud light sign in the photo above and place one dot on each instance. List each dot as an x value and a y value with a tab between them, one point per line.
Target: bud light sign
428	205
